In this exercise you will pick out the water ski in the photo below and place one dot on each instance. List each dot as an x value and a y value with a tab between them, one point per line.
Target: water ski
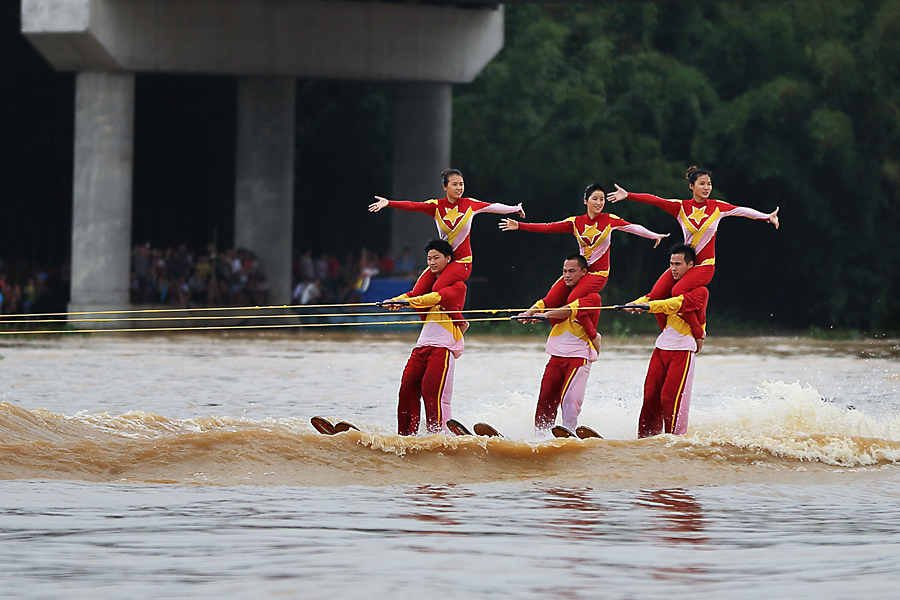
486	430
457	428
344	426
561	432
323	426
585	432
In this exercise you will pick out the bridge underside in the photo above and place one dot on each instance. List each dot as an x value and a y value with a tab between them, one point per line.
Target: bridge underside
267	44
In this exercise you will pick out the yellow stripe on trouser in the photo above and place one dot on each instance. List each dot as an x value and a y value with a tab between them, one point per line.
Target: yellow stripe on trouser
441	387
565	388
687	369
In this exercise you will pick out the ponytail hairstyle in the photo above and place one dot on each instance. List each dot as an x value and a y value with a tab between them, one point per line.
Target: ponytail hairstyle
593	188
694	173
446	173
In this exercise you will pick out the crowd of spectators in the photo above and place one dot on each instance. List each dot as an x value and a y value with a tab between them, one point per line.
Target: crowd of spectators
181	277
184	278
324	279
26	288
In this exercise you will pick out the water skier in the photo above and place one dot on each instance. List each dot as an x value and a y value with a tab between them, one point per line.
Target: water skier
670	375
593	232
453	217
428	376
699	218
573	344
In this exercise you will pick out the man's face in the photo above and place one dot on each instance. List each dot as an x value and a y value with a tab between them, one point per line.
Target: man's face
572	273
437	261
678	266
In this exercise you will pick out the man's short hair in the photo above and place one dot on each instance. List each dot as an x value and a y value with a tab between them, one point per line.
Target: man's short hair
442	246
582	262
690	255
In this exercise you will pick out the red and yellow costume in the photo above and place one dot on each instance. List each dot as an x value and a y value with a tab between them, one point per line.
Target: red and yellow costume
428	376
593	236
571	349
699	223
670	375
454	224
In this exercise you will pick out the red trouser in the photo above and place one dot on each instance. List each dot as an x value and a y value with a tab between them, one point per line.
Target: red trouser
666	286
453	272
428	376
564	383
667	393
560	293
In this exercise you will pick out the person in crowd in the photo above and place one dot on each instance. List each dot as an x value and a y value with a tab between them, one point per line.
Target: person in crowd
405	266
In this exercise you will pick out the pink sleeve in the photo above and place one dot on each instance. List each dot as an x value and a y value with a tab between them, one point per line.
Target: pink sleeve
730	210
492	207
620	224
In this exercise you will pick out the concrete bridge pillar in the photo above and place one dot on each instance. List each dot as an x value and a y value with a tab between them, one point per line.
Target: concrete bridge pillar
424	47
101	216
422	119
264	188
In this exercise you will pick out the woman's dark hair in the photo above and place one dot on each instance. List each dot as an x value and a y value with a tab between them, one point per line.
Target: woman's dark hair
446	173
593	188
694	173
442	246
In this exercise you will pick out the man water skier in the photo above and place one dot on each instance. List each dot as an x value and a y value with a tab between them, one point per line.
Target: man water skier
428	376
573	344
670	375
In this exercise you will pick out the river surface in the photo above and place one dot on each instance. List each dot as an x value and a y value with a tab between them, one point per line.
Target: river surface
184	466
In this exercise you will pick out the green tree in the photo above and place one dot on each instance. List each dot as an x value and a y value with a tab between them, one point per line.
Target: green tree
792	104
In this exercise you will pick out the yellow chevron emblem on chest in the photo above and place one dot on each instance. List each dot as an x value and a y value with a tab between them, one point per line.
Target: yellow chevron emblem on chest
452	216
590	234
698	215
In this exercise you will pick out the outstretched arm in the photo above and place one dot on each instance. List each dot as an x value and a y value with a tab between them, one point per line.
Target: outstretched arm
427	207
557	227
497	207
635	229
751	213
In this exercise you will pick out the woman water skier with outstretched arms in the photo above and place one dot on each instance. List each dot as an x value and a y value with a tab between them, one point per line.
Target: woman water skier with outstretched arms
592	230
453	217
699	218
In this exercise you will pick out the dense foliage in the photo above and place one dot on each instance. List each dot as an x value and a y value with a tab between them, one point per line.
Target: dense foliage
791	104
